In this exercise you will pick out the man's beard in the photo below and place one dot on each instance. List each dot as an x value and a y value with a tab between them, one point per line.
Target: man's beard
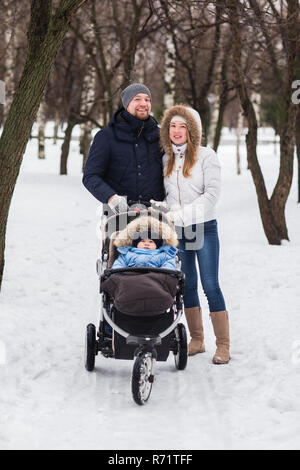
144	116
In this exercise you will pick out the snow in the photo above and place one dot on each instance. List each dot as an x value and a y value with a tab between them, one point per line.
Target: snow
50	292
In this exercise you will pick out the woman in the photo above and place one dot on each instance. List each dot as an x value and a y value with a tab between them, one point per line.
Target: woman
192	185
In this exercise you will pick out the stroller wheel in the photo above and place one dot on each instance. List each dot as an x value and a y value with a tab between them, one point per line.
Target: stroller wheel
142	378
90	344
181	352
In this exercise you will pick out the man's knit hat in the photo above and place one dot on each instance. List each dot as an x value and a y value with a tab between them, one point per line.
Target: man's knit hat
131	91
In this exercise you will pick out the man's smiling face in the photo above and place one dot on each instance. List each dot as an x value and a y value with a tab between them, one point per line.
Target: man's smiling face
140	106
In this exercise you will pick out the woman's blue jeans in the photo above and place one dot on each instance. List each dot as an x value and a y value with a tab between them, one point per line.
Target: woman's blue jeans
207	255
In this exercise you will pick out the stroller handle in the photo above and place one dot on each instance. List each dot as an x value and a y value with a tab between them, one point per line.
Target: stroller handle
139	202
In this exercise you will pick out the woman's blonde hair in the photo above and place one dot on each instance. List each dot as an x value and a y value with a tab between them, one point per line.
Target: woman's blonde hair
189	160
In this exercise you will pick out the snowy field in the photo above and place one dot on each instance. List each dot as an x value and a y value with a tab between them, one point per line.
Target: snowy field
50	293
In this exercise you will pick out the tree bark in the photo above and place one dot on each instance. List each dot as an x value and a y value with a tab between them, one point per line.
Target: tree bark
85	144
45	36
88	95
41	121
169	73
10	58
239	129
55	128
223	95
66	145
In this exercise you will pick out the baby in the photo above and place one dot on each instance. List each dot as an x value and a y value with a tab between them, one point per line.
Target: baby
146	252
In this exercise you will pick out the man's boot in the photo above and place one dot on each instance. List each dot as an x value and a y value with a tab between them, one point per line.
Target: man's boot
194	321
220	323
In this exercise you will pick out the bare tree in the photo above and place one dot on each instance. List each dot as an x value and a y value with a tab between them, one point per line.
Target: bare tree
284	65
88	94
41	122
46	32
195	29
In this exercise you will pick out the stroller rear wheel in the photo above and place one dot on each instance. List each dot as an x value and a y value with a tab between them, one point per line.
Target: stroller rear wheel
142	378
90	345
181	351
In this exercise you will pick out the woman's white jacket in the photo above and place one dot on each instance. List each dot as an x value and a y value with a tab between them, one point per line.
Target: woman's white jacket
194	198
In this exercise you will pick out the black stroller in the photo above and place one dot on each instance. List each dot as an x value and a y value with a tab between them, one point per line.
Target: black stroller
146	335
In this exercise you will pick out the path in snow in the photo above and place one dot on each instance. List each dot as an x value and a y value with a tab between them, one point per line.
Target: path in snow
50	293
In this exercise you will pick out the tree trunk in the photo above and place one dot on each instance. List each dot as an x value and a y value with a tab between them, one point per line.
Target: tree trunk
272	210
269	225
216	103
65	148
298	150
219	126
88	94
41	121
169	74
251	138
285	178
45	36
10	62
85	143
204	111
239	129
55	129
223	95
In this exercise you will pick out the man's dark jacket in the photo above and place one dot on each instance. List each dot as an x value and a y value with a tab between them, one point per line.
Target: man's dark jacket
125	159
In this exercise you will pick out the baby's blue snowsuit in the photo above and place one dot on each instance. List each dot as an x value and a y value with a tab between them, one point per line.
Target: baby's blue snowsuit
163	257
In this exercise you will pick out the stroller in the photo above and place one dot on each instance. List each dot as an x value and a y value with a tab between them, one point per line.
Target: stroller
143	330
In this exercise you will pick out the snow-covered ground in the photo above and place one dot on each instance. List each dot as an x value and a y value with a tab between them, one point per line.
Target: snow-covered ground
50	293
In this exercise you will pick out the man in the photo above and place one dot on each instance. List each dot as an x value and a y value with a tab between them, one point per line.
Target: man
125	158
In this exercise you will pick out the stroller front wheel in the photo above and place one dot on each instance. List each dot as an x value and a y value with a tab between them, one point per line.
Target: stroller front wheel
90	344
181	352
142	378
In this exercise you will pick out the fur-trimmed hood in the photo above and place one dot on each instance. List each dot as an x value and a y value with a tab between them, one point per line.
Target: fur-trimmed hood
192	119
143	224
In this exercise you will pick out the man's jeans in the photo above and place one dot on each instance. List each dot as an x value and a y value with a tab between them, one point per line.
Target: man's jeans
207	255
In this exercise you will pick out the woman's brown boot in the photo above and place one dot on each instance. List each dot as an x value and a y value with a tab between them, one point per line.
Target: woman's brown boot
194	321
220	323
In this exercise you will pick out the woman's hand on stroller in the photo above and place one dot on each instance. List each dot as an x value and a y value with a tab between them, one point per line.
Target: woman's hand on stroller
159	205
175	216
118	204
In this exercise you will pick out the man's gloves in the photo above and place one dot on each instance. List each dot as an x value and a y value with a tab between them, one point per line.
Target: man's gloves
159	205
118	204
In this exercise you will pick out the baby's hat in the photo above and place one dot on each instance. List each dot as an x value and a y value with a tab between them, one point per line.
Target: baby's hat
147	226
151	235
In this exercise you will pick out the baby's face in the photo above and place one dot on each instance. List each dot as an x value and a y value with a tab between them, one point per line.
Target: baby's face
147	244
